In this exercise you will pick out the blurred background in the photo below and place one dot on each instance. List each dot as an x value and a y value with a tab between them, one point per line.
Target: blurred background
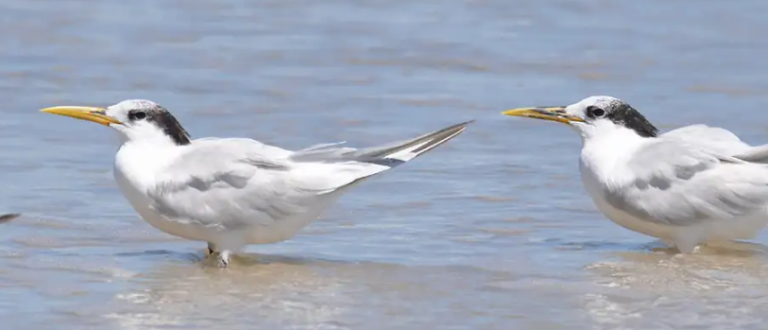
491	231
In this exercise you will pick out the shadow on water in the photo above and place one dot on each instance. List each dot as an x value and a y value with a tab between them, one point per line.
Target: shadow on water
601	245
239	260
729	248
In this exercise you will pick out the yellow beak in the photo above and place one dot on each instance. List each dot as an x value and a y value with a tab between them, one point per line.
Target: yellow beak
557	114
94	114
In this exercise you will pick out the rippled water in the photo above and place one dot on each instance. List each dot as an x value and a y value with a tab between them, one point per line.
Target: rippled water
491	231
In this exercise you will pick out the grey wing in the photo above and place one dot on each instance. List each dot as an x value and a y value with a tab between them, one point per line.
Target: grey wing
706	137
721	141
234	183
674	183
758	154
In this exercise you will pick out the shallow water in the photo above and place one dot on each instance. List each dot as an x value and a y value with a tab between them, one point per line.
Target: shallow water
491	231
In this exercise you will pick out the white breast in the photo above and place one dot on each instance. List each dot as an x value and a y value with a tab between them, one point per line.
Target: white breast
601	159
134	170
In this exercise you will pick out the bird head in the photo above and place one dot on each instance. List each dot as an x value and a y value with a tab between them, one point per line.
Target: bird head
134	119
592	116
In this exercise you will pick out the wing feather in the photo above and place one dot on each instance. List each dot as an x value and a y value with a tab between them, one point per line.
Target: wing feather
676	183
710	138
232	183
720	140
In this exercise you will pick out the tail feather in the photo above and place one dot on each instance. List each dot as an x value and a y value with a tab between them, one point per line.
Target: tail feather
389	155
352	166
398	153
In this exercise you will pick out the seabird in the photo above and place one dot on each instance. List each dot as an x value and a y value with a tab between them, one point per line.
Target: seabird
690	186
231	192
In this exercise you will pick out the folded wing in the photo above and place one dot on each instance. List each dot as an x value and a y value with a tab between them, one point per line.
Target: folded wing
231	183
720	140
676	183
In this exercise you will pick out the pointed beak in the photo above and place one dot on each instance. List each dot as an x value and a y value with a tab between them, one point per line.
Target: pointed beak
557	114
94	114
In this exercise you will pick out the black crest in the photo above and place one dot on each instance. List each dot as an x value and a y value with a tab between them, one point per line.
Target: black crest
623	114
168	123
144	110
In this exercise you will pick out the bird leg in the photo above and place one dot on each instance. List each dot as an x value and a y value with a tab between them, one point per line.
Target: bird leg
221	257
688	242
687	246
210	250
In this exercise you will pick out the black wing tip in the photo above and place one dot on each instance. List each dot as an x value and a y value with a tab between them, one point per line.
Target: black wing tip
442	136
466	123
459	128
8	217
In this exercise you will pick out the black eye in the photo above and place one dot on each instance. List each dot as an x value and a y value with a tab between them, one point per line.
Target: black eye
137	115
595	112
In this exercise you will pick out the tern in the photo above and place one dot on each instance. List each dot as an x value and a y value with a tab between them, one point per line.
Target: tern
688	187
8	217
232	192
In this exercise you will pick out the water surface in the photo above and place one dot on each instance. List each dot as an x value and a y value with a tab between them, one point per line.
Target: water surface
491	231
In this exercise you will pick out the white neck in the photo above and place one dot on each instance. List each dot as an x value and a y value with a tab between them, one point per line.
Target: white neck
142	156
607	148
145	134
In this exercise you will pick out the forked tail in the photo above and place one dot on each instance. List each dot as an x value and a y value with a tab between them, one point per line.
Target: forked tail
389	155
359	164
